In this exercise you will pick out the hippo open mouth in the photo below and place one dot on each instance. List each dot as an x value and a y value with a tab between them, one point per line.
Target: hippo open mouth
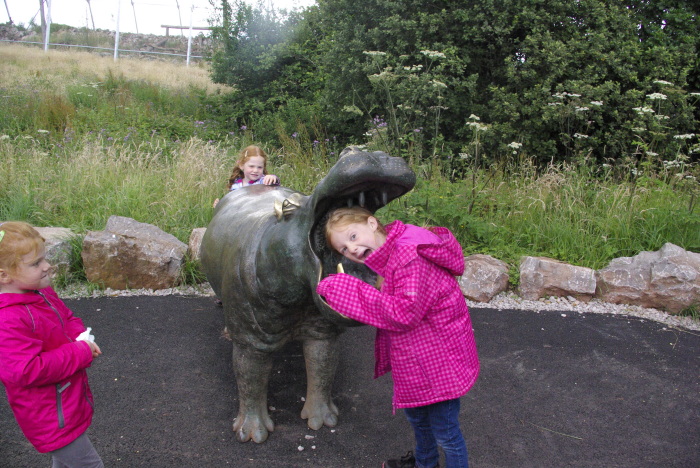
368	180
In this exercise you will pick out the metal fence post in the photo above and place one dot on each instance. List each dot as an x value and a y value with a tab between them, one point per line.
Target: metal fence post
116	35
48	26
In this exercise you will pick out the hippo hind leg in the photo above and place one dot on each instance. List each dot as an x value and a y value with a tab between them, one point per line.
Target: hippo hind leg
252	369
321	358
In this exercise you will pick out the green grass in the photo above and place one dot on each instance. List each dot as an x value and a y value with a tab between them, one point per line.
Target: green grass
559	214
77	150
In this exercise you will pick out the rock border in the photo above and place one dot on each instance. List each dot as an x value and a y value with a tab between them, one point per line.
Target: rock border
502	301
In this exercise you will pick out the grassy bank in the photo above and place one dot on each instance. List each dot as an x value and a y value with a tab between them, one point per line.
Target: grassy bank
83	138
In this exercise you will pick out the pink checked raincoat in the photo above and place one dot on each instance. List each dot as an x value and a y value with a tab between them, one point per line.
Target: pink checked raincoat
424	332
43	368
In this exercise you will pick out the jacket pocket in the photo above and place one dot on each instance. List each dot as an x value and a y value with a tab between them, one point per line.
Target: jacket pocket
59	404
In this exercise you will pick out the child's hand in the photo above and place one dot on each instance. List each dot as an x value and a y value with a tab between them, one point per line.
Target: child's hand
270	179
326	284
216	202
96	351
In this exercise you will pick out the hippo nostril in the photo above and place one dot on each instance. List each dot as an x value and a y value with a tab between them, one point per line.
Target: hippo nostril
361	199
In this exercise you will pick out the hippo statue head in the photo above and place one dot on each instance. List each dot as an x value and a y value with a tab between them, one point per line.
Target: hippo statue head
369	180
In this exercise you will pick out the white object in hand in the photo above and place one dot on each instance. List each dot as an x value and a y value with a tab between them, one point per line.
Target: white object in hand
86	336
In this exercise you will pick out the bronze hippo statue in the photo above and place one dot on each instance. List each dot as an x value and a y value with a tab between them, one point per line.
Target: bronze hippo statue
263	253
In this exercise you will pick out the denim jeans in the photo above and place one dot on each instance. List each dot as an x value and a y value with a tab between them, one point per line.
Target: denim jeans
438	424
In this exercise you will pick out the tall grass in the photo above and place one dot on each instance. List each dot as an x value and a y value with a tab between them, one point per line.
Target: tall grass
559	213
82	189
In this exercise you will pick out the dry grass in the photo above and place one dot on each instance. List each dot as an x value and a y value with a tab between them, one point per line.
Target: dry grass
61	68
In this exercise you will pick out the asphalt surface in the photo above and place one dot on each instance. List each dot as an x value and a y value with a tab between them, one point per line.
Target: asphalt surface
555	390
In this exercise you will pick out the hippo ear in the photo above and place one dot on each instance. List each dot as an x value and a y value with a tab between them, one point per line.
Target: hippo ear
288	206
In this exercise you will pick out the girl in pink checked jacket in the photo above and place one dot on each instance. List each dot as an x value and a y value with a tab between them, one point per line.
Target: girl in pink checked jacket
424	332
44	353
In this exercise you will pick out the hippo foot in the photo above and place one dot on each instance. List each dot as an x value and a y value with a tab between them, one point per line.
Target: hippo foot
253	427
320	414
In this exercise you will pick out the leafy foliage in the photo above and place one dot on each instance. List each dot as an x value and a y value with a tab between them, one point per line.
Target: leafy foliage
562	78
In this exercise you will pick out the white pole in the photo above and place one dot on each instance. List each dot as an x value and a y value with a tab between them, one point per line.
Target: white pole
133	7
48	25
91	17
8	12
179	14
116	35
189	40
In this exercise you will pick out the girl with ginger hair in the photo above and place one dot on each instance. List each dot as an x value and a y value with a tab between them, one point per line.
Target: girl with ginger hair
250	169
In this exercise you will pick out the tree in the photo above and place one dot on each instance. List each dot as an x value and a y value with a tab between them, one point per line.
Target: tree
561	79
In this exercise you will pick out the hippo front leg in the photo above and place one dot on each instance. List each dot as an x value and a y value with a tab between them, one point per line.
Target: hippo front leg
321	358
252	369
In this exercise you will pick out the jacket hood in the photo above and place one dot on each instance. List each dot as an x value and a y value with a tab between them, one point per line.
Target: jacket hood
437	245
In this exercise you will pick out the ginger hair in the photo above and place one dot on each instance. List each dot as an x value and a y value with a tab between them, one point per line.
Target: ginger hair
19	239
341	217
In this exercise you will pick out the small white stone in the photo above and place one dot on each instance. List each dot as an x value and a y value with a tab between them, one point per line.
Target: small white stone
300	448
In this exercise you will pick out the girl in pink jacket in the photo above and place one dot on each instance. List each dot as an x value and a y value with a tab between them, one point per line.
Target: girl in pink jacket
424	332
44	353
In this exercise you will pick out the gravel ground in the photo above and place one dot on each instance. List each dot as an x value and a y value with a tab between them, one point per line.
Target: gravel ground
503	301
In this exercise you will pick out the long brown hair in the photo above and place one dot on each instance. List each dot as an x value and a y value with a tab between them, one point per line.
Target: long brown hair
243	157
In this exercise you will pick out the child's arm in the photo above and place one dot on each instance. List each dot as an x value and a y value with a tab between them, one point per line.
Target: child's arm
73	324
24	363
412	297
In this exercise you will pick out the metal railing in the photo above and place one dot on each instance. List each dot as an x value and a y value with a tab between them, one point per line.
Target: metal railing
188	56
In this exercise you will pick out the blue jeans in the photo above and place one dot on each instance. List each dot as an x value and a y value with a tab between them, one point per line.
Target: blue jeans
438	424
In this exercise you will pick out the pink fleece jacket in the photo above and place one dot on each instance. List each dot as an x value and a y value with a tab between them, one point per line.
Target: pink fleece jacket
43	368
424	332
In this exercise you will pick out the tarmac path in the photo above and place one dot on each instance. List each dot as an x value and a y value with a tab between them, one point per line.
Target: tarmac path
555	390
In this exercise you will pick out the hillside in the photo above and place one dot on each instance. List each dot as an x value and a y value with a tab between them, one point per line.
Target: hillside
63	68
